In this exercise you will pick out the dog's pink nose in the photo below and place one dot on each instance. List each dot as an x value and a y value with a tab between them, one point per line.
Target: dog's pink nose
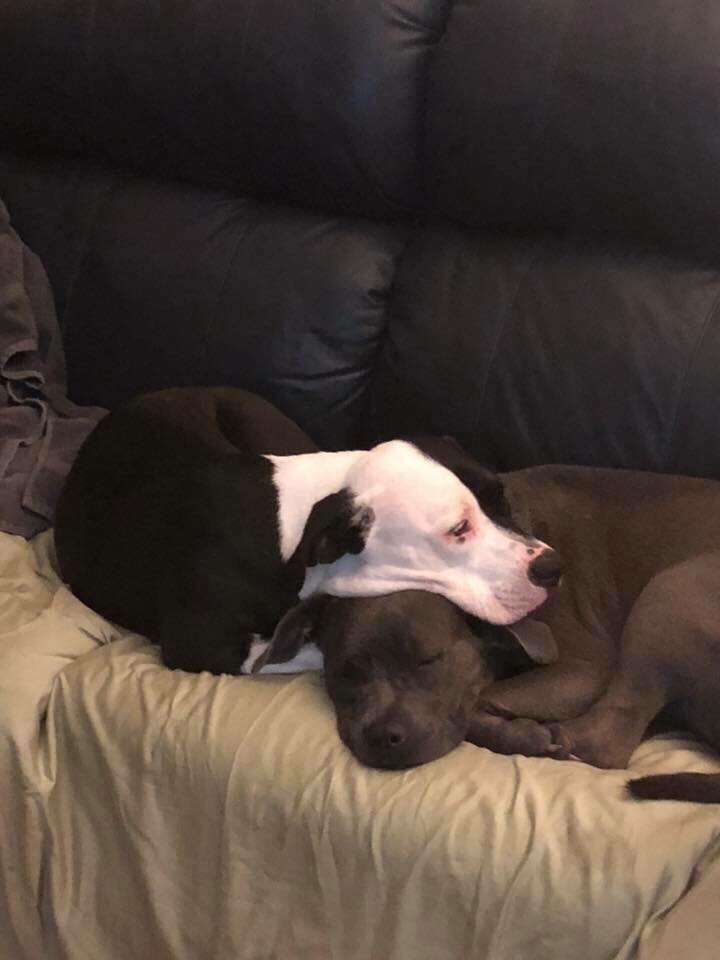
546	569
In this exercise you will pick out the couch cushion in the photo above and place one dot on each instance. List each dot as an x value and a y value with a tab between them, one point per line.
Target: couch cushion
316	103
573	114
539	350
170	285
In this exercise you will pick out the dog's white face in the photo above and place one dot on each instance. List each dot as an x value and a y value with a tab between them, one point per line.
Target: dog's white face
429	531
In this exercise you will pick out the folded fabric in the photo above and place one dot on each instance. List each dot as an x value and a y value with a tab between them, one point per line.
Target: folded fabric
40	429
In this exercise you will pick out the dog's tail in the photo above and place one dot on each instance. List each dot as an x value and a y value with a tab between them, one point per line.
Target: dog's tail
696	787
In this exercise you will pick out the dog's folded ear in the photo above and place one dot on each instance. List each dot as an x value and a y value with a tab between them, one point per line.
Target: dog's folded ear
335	526
509	650
294	629
536	639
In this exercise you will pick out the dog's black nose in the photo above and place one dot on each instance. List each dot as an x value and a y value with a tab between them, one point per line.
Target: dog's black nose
385	734
546	569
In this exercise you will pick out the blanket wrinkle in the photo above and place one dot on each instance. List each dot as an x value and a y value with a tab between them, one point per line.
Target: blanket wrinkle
41	430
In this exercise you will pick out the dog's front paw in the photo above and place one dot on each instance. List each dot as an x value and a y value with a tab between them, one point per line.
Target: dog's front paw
538	740
595	739
519	735
561	745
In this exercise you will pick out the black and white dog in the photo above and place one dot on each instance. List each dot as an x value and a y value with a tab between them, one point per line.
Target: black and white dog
201	516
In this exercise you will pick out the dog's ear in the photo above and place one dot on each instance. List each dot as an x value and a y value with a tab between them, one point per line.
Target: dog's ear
514	649
293	631
536	639
336	526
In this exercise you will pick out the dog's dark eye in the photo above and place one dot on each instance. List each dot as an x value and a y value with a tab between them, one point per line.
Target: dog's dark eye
460	529
426	661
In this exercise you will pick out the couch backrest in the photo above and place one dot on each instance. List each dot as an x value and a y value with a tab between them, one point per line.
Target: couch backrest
490	218
538	349
569	310
312	103
574	115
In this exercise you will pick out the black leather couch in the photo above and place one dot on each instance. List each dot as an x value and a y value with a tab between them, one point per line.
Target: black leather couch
496	219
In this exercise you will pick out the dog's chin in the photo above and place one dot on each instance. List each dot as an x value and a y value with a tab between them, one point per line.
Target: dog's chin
500	607
509	608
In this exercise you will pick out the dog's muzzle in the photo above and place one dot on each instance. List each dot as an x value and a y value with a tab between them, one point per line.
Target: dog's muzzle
396	741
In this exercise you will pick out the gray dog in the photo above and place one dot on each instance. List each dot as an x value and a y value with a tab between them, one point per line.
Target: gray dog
634	629
404	671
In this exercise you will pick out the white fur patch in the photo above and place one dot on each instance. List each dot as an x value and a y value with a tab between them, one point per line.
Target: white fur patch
257	648
308	657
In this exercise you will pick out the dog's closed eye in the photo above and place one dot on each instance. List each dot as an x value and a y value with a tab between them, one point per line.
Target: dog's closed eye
460	530
354	672
426	661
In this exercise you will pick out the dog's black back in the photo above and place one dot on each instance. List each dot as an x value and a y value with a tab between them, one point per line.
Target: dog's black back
144	527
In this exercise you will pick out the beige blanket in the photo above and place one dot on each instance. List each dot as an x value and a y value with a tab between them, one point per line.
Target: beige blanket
148	813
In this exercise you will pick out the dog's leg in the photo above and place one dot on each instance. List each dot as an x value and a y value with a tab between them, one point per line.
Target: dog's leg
509	717
666	652
203	619
203	639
